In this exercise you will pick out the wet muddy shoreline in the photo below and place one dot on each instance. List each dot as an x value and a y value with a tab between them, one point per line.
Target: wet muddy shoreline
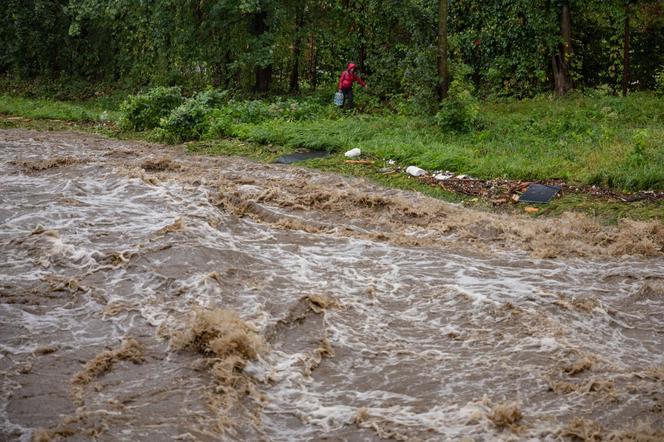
147	294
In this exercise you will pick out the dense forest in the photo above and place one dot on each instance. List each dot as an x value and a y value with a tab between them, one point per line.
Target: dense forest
414	48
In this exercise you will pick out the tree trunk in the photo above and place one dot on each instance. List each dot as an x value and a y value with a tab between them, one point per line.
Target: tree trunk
263	73
313	61
626	61
363	50
443	69
561	60
295	70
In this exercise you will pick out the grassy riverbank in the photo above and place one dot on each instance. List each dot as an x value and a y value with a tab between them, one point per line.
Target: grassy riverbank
613	142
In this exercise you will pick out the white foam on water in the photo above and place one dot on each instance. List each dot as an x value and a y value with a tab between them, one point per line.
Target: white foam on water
425	339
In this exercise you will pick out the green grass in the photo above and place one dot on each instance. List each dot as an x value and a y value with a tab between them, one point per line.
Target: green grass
609	141
89	111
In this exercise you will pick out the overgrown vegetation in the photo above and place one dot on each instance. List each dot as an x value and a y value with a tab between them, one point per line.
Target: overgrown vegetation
76	48
610	140
56	110
659	81
594	139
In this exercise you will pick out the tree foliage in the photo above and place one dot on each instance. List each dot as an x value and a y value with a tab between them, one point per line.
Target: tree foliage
281	46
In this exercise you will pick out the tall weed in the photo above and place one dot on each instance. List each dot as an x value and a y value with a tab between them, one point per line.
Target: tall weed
145	111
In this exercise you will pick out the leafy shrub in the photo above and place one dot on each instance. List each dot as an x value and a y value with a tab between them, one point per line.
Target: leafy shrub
185	122
659	81
212	98
460	110
252	111
220	124
420	81
638	156
190	120
144	111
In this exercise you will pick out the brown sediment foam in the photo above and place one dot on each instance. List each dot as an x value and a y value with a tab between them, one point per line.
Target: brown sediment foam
324	350
582	429
656	373
25	368
137	172
216	276
114	308
88	425
320	303
506	415
394	214
591	431
242	207
117	259
225	339
649	291
384	428
227	344
641	431
584	387
177	226
300	311
32	166
585	305
45	435
236	204
41	230
579	366
129	350
160	165
361	415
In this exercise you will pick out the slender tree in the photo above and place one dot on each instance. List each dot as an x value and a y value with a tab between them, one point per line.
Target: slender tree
561	60
297	47
263	68
626	49
443	68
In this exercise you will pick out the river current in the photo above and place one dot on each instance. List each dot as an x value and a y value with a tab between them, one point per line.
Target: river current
146	294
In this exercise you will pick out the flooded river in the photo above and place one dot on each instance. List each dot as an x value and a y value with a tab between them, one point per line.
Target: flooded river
150	295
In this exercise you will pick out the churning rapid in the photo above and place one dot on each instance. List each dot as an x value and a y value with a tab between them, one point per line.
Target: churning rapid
151	295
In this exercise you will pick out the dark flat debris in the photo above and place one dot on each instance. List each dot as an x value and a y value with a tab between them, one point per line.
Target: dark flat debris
539	193
502	191
302	156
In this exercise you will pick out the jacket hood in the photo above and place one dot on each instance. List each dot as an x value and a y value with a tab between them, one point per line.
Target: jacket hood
351	66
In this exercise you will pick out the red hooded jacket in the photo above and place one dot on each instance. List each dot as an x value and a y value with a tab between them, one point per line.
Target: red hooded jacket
347	78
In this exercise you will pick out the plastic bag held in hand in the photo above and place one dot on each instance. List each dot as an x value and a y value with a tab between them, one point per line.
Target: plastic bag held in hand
339	98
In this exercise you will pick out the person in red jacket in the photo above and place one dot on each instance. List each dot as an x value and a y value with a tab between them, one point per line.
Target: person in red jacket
346	85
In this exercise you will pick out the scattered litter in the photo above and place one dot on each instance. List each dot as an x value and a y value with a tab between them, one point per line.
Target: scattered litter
359	161
539	193
415	171
353	153
515	198
386	170
443	176
301	156
531	209
391	162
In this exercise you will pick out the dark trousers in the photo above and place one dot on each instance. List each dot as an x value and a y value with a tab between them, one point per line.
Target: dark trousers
348	98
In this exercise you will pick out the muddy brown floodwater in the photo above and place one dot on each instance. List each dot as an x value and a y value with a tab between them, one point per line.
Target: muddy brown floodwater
150	295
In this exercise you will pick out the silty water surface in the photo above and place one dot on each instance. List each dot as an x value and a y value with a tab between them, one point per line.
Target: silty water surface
428	342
